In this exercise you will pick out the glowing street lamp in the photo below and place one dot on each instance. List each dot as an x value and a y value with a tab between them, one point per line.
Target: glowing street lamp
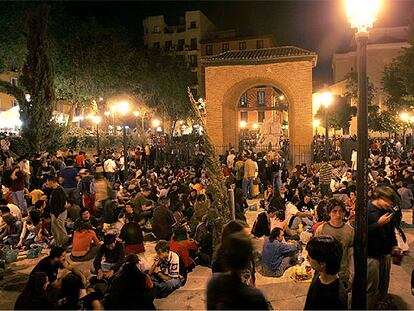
361	15
406	118
136	113
123	108
255	126
243	124
107	113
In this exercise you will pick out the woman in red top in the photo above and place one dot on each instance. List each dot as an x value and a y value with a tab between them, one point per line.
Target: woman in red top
185	248
85	243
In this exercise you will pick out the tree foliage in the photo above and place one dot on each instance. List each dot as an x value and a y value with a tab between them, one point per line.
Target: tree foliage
340	113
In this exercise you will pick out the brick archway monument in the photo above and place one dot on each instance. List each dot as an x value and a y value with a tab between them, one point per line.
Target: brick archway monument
231	74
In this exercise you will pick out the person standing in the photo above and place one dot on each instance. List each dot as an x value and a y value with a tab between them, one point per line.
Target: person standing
18	178
325	176
250	171
344	233
382	244
70	184
57	202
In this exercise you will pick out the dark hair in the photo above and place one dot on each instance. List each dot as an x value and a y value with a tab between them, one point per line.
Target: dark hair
333	203
56	252
232	227
271	209
280	215
321	211
275	234
3	201
180	232
4	209
83	210
131	259
35	217
238	251
109	239
33	289
83	225
71	286
39	204
328	250
162	246
52	178
130	217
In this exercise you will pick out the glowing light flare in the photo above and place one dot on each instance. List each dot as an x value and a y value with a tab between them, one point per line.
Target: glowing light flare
362	13
255	126
123	107
243	124
107	113
96	119
316	123
136	113
326	99
404	116
156	123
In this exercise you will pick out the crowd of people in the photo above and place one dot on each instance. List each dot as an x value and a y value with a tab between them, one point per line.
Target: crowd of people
91	209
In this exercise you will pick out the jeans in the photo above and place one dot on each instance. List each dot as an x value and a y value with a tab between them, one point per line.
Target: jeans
164	288
58	229
20	201
298	220
378	279
248	186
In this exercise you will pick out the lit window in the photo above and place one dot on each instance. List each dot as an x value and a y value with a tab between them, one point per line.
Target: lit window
243	100
242	45
244	116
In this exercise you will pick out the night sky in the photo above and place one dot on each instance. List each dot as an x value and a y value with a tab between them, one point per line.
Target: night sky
320	26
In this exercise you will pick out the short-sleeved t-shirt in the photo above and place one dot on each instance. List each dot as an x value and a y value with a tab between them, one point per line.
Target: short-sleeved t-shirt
345	235
46	266
171	267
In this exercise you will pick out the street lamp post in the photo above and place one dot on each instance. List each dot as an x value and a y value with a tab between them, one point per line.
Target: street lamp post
362	15
326	99
316	124
123	108
406	119
97	120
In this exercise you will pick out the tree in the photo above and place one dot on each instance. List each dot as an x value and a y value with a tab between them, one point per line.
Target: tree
36	113
340	113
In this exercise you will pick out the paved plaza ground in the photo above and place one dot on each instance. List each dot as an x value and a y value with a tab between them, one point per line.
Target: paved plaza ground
283	293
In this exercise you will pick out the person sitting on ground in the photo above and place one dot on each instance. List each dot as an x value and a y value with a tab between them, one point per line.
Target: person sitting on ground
131	235
130	288
31	227
163	220
278	255
53	263
11	230
261	226
165	271
204	237
114	254
326	291
85	215
72	286
34	295
183	246
227	290
85	243
294	217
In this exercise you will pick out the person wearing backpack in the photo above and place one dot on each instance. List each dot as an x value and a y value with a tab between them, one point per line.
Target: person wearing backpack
88	190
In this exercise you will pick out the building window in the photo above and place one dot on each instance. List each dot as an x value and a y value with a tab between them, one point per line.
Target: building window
260	98
242	45
193	44
168	45
243	100
156	45
14	103
156	29
260	116
193	24
209	49
244	116
225	47
181	43
259	44
13	81
193	60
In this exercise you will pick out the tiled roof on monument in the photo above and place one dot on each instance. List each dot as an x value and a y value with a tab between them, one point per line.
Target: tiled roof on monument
261	55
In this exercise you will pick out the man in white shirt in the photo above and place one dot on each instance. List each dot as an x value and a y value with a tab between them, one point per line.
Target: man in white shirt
230	159
165	271
354	160
110	169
